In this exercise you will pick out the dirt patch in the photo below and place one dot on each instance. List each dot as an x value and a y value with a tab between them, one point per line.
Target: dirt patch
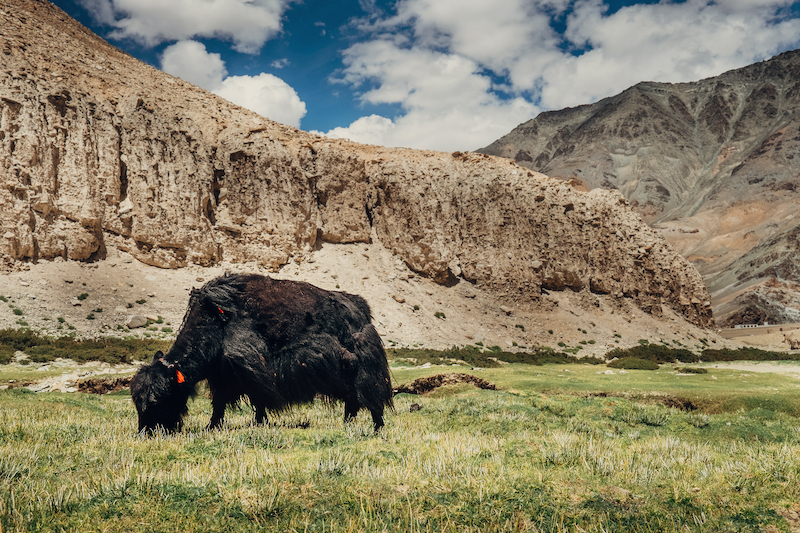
792	516
104	385
426	385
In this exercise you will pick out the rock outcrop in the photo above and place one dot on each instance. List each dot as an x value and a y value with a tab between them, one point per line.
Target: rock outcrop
713	165
98	149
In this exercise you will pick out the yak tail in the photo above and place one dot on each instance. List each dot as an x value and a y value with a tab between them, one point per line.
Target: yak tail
373	381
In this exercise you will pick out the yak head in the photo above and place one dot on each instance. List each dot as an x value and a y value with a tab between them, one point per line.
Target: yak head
160	395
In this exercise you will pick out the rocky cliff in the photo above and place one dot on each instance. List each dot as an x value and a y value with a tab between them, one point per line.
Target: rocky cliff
99	150
712	164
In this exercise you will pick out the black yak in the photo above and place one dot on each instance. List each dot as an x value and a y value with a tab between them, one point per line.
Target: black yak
275	342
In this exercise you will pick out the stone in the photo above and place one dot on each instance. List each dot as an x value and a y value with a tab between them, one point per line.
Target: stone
506	310
136	321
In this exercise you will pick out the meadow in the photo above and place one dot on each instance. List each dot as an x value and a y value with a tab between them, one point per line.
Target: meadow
559	447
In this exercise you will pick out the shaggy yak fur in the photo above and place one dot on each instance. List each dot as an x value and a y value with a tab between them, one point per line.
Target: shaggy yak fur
276	342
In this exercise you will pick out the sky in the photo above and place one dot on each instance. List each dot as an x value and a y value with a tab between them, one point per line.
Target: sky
435	74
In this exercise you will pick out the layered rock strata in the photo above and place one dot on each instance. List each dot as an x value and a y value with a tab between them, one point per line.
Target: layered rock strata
98	149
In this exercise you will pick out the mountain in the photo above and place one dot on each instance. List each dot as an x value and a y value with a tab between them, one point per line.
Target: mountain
100	153
713	165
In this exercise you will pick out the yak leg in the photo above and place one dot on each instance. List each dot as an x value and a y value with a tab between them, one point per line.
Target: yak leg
351	408
377	418
261	415
217	414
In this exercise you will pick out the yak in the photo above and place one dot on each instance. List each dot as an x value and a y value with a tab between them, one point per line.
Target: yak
274	342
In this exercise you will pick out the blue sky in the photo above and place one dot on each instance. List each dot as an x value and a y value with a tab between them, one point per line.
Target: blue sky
438	74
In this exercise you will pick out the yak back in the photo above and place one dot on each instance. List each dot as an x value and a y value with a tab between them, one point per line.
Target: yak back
284	310
280	310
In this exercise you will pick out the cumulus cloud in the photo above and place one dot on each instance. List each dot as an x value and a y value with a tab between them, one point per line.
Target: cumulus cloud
373	129
190	61
661	42
248	24
465	72
264	94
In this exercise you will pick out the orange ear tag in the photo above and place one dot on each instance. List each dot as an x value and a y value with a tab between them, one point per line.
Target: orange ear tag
180	377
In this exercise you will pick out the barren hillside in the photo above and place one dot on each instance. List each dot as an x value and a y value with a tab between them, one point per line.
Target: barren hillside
711	164
102	156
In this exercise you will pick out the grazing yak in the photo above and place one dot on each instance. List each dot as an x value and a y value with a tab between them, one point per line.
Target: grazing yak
276	342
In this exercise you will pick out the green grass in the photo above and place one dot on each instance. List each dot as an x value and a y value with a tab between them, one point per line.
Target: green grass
533	456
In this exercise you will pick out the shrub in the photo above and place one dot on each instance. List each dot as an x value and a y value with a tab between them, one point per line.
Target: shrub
142	301
83	296
746	354
18	311
654	352
633	363
692	370
20	339
6	353
439	314
42	349
475	357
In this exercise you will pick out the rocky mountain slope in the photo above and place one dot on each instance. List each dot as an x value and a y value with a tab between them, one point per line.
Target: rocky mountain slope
102	155
711	164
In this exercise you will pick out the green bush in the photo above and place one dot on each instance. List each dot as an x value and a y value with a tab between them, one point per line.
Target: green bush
633	363
110	350
654	352
692	370
746	354
475	357
6	353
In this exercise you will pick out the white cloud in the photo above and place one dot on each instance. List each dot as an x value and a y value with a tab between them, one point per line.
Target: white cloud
248	24
373	129
661	42
190	61
264	94
447	101
465	72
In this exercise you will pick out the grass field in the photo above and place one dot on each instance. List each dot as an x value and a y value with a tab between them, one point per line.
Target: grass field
538	455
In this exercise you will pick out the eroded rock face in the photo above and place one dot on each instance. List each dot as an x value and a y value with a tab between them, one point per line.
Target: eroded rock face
98	150
712	164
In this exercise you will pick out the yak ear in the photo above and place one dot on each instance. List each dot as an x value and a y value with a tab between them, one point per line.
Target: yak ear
217	309
159	354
